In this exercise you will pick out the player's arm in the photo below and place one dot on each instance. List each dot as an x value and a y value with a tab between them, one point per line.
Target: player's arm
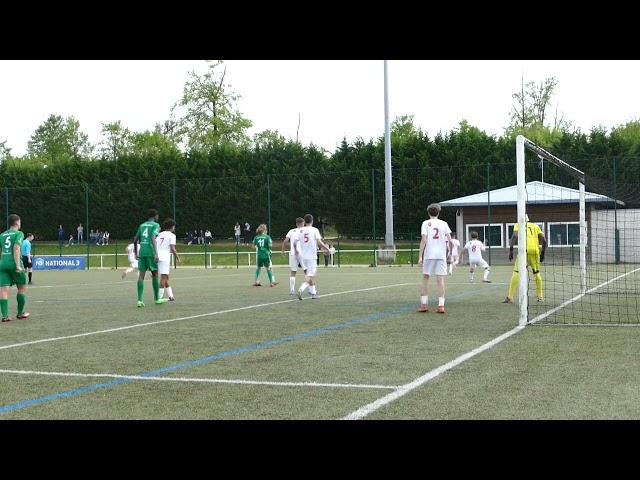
176	257
154	237
16	256
512	242
284	244
543	245
135	244
423	244
324	246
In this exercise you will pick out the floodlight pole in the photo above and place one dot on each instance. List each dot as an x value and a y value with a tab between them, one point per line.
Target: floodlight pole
388	236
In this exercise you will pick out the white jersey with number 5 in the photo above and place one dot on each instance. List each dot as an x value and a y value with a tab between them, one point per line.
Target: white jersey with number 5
436	231
164	242
308	242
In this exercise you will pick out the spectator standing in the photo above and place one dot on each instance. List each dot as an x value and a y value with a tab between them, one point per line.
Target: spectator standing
80	230
247	233
236	232
60	235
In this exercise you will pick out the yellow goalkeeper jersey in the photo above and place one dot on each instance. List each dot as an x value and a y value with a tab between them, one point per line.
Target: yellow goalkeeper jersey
533	230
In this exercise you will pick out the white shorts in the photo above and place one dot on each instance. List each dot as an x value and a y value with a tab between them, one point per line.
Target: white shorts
310	265
134	264
434	267
479	263
164	266
294	263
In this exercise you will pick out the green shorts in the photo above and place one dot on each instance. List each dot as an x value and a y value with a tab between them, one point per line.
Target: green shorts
264	262
147	263
11	277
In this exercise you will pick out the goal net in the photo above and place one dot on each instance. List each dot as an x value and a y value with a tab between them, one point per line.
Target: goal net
590	274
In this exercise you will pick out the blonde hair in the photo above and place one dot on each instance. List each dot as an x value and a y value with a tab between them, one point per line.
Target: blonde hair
262	228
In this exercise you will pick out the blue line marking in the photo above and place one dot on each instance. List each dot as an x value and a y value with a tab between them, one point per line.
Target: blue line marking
219	356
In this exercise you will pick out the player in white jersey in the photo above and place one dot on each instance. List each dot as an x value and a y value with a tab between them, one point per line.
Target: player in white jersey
131	257
166	243
435	251
475	248
294	261
455	252
306	246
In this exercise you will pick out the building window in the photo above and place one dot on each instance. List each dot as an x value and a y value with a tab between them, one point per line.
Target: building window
483	232
563	234
510	231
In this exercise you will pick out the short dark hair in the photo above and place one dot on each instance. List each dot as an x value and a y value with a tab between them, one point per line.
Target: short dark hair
434	209
29	235
13	219
474	234
152	213
168	223
308	219
299	220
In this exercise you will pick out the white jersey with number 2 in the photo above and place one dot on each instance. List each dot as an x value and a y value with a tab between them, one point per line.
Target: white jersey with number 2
436	231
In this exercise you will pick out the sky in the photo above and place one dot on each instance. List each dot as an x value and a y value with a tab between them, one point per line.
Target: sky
335	99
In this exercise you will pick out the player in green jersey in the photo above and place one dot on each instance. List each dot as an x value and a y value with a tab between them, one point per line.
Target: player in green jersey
147	256
12	269
263	243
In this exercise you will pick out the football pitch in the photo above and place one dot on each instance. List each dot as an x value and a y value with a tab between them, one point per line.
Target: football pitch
227	350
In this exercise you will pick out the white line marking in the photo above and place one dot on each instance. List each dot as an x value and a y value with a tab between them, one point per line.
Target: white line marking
219	312
200	380
404	389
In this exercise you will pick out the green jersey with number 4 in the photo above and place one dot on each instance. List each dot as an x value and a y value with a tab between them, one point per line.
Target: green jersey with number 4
146	232
263	244
8	240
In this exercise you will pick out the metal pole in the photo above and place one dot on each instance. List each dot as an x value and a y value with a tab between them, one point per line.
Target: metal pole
489	210
583	241
373	201
615	213
338	250
173	181
86	203
269	202
388	236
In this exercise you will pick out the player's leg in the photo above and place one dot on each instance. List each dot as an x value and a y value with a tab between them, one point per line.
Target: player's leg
312	268
424	294
533	260
142	270
513	284
441	291
485	277
472	269
155	283
257	275
272	277
5	282
293	265
21	296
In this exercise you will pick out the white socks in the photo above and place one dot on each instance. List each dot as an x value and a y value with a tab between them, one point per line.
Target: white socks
170	292
303	287
312	289
292	284
486	273
424	299
441	301
161	293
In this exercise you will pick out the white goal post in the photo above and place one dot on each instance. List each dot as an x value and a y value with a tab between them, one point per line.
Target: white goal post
522	144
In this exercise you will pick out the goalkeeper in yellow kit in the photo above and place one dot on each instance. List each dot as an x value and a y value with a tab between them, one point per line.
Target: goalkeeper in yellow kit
536	246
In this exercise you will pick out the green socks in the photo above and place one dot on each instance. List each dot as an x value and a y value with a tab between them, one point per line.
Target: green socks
22	299
257	274
155	281
4	306
270	276
140	289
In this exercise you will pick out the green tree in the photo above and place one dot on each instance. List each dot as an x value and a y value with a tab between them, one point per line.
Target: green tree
531	107
152	143
210	115
116	140
5	152
57	139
